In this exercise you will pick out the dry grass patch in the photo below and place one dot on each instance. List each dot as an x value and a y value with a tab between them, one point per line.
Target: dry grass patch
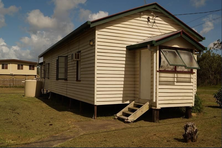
167	133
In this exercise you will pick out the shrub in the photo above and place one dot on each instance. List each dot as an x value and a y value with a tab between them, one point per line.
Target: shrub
198	105
218	97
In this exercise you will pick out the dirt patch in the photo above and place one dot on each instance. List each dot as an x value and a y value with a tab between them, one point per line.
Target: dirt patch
81	128
99	125
56	139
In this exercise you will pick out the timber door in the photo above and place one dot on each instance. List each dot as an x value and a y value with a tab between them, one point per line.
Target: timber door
145	74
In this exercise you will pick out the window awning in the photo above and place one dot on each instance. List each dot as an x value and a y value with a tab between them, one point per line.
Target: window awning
177	57
158	40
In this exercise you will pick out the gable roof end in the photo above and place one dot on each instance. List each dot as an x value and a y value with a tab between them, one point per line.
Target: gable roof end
158	40
152	7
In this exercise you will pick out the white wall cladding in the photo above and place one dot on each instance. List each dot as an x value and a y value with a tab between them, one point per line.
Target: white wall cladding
83	90
117	75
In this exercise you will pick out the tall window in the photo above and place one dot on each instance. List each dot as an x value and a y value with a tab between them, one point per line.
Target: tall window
31	67
42	73
177	60
20	67
4	66
78	65
62	68
47	70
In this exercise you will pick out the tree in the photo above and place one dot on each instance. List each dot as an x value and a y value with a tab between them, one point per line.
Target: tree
210	66
217	45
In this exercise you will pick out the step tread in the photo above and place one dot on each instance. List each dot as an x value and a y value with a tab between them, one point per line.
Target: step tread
123	117
138	103
128	112
135	108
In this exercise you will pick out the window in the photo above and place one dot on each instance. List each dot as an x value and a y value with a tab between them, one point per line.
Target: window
78	66
42	73
47	70
31	67
4	66
62	68
177	60
20	67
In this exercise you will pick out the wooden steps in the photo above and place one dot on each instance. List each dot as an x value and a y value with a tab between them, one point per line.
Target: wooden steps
132	111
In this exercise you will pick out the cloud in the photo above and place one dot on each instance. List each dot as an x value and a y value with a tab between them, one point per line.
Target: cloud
62	7
6	52
6	11
60	22
37	20
29	47
44	31
198	3
209	22
207	26
87	15
84	14
98	15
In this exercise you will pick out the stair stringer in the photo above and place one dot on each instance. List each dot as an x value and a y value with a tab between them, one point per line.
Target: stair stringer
139	112
124	109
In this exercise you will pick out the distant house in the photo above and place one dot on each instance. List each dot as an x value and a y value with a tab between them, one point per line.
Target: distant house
19	69
144	56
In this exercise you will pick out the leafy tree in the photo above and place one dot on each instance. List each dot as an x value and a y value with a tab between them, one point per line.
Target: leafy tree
210	67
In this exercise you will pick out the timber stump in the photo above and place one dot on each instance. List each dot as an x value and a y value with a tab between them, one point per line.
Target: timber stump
191	132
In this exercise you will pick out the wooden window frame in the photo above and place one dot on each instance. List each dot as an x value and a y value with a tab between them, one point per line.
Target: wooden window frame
175	67
19	66
78	68
42	73
65	69
31	67
46	70
4	66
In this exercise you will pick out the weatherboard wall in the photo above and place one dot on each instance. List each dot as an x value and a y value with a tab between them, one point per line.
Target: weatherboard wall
80	90
176	89
117	70
13	69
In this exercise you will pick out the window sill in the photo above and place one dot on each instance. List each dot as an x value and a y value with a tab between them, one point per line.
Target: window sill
180	72
62	79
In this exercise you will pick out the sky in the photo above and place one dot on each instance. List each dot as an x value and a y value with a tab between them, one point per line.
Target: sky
29	27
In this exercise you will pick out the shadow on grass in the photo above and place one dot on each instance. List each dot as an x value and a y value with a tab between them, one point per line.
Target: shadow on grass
61	103
165	113
180	140
215	107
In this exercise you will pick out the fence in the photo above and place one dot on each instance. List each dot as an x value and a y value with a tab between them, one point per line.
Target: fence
12	82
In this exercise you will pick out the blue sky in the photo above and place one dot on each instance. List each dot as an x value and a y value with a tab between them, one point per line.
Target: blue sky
28	27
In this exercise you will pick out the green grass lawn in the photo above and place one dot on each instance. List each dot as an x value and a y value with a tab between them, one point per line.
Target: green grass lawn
24	120
167	133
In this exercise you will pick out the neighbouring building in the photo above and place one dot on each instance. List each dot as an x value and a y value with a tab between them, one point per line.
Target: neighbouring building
144	56
18	69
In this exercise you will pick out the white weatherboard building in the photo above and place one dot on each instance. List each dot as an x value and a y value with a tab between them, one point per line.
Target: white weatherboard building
144	56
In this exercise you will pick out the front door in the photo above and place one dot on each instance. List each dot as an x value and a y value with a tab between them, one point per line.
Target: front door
145	74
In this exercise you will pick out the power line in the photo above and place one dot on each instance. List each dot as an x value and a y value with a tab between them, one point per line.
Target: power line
204	22
198	12
197	18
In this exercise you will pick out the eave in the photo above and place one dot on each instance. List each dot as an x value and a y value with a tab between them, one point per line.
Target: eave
168	37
